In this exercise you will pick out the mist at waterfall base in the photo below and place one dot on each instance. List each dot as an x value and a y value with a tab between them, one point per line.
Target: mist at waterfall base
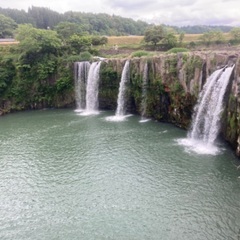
205	127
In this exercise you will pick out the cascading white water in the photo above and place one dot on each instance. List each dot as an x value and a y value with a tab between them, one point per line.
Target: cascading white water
207	116
92	89
81	73
121	103
144	93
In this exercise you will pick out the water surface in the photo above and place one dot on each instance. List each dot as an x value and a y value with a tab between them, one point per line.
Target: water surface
65	176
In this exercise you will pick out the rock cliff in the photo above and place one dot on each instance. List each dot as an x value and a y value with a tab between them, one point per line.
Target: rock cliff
173	85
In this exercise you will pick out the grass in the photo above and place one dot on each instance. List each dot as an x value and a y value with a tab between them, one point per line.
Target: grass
137	40
177	50
124	40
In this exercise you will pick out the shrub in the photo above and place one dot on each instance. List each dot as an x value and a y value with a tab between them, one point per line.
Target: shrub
140	54
85	56
177	50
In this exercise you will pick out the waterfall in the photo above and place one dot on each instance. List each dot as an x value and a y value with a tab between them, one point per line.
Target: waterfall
144	93
92	89
207	113
121	103
81	72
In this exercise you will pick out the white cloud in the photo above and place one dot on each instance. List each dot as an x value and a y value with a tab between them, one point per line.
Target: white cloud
174	12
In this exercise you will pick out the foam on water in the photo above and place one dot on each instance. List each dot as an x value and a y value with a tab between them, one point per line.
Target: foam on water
144	120
88	113
199	147
118	118
78	110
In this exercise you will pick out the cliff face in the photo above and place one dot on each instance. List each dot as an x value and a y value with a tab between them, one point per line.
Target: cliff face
172	87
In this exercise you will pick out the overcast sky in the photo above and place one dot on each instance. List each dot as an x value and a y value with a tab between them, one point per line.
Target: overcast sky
172	12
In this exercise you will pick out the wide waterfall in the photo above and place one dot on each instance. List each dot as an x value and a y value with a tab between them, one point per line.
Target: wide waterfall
144	94
81	74
207	112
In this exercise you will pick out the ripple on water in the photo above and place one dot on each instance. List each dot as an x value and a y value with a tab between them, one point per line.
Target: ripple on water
74	177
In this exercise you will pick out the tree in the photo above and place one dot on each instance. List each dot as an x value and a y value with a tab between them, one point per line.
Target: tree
7	26
37	40
44	17
180	38
67	29
155	34
212	36
170	40
218	36
97	40
37	65
207	37
79	43
235	33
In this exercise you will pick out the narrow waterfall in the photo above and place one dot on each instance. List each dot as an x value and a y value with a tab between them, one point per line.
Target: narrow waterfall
121	103
207	113
144	92
81	72
92	88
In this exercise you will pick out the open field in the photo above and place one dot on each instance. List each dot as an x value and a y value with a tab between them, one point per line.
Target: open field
124	40
135	40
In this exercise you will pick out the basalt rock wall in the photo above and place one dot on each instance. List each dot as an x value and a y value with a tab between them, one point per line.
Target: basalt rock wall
173	84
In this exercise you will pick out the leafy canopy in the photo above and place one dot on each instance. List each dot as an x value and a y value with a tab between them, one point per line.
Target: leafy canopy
7	26
155	34
37	40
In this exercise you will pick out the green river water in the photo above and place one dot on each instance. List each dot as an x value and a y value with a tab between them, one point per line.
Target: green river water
66	177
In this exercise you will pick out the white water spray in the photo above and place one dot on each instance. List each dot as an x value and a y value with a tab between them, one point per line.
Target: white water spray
121	101
92	89
207	113
81	73
144	94
207	116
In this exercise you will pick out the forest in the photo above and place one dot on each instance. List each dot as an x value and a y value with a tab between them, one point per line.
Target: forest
100	24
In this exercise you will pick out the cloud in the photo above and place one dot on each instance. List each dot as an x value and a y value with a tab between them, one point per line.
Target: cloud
174	12
129	5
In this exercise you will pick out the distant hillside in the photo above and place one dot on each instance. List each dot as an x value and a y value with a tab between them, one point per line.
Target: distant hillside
102	24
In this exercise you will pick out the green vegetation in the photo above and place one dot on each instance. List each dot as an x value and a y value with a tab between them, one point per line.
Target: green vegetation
209	37
140	54
85	56
155	34
37	72
34	73
76	22
177	50
7	26
235	33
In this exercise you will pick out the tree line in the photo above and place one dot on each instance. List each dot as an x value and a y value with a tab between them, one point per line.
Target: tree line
97	24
